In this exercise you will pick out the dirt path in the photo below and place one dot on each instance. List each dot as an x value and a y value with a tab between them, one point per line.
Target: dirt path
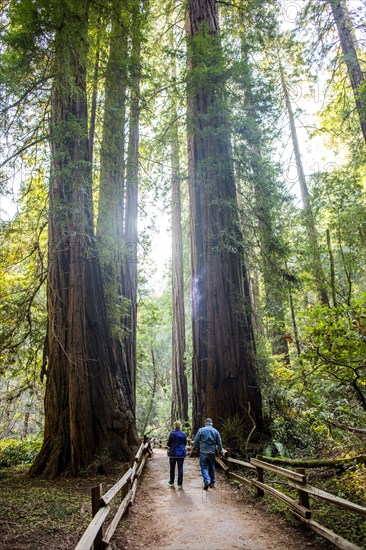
165	518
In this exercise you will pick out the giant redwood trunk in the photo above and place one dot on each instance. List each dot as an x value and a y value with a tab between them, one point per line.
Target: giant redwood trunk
225	380
179	378
85	407
129	259
112	194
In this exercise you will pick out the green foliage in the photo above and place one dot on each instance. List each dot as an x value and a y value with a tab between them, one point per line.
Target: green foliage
334	357
23	309
336	336
19	451
27	44
327	382
349	485
153	370
233	432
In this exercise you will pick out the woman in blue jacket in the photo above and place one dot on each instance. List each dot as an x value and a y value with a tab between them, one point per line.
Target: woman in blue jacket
177	452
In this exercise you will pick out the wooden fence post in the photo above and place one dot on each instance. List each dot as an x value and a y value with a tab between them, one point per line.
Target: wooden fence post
125	488
260	477
303	496
96	494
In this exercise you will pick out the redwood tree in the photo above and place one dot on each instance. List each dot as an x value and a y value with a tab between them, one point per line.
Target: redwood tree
179	378
129	258
356	75
112	188
85	407
225	380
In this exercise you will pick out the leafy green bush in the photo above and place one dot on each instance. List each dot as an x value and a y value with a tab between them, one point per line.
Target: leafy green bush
19	451
323	388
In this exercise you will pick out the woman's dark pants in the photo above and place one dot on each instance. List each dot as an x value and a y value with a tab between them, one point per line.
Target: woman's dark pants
179	461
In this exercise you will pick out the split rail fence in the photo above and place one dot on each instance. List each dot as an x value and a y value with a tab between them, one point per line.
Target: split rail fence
127	485
295	480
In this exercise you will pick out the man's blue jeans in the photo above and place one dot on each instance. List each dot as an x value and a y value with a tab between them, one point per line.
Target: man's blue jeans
207	465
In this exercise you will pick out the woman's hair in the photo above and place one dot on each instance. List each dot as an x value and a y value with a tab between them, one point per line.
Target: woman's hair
177	425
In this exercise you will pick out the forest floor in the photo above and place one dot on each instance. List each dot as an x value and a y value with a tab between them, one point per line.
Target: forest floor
167	518
37	514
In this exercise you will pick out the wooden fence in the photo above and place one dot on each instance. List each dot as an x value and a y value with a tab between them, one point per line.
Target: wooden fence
127	485
295	480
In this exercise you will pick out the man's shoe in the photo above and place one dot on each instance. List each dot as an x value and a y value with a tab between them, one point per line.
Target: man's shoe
212	485
180	487
206	485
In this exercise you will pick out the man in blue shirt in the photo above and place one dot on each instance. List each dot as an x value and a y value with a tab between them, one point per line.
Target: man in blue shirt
207	439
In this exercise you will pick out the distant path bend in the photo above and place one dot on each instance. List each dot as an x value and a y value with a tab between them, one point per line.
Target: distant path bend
165	518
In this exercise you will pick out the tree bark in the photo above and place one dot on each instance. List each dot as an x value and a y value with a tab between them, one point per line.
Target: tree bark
356	76
85	408
179	378
115	213
332	270
129	263
153	394
224	373
294	322
111	202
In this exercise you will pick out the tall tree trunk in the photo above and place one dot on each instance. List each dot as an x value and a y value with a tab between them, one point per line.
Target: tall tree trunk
113	211
272	279
316	268
224	373
294	322
85	408
129	263
112	165
347	39
179	378
146	420
332	270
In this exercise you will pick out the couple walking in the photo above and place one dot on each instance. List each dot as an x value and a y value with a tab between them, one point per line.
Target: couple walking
206	440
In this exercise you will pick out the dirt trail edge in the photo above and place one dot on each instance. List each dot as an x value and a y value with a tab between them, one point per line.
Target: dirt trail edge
165	518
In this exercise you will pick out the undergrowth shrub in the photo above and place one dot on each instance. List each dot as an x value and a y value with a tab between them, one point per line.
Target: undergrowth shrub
232	432
350	485
19	451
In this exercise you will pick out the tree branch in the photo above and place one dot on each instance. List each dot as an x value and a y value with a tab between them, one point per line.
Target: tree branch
345	427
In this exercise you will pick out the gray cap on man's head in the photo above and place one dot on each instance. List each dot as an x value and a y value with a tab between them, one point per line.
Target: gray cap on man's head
209	421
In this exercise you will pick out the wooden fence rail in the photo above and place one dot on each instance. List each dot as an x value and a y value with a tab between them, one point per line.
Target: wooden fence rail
295	480
94	533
